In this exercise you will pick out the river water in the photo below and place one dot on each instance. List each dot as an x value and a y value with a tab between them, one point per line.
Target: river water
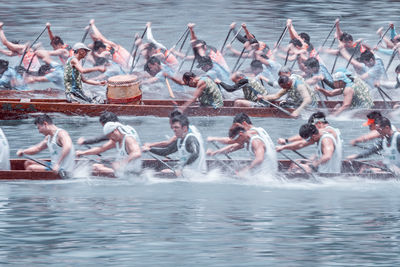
209	220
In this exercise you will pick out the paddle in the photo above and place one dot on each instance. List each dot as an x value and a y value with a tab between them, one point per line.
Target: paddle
171	93
217	147
352	55
184	40
391	59
226	39
30	63
380	40
234	37
298	165
136	49
383	98
333	42
133	46
194	60
364	147
237	61
186	32
29	46
162	162
383	168
62	173
334	62
183	60
278	43
287	56
86	33
329	34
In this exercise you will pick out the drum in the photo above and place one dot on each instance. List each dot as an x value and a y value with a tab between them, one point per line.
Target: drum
124	89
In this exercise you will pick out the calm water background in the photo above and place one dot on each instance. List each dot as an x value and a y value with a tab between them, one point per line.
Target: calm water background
201	221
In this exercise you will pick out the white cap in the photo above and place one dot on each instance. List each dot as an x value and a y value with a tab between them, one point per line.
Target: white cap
78	46
110	126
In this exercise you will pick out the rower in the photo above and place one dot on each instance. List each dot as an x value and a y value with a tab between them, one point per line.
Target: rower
170	141
329	150
389	145
62	50
106	47
207	91
16	49
126	140
201	49
317	119
212	70
188	144
51	71
58	142
355	91
251	88
4	152
10	79
368	66
73	77
259	145
300	95
316	73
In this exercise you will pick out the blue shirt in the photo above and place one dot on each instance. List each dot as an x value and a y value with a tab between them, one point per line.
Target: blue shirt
12	80
56	76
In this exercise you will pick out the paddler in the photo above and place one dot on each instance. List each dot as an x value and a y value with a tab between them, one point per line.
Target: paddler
259	145
73	77
251	88
16	49
388	145
207	91
4	152
126	141
329	151
10	79
58	142
355	91
188	144
62	50
300	95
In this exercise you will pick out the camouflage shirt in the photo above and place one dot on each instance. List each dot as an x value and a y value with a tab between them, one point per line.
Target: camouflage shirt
72	78
211	95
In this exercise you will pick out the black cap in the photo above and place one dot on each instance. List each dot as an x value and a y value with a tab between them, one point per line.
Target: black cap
203	61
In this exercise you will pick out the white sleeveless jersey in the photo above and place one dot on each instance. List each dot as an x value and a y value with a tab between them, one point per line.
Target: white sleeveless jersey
270	163
68	163
4	152
134	165
333	165
200	163
391	155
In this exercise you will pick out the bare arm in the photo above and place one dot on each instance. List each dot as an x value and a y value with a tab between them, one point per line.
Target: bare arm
76	64
347	98
34	149
97	150
327	151
276	96
51	36
133	149
225	150
199	90
65	141
259	152
294	145
306	98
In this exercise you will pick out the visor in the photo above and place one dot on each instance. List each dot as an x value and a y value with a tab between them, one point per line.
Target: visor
369	122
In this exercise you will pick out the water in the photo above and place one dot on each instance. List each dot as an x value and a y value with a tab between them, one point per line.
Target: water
200	221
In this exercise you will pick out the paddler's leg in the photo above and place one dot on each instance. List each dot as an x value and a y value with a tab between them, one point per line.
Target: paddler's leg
101	169
18	48
244	103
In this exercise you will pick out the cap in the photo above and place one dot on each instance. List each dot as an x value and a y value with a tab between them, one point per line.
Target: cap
369	122
78	46
110	126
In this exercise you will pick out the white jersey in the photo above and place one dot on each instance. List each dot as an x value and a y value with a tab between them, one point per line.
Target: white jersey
136	164
200	163
391	156
270	163
68	162
333	165
4	152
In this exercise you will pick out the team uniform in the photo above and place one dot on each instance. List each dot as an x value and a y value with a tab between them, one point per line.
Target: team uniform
4	152
270	163
68	162
333	165
134	166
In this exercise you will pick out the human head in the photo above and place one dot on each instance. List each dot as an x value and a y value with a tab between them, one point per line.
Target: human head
153	66
42	122
81	49
241	117
205	63
372	118
342	78
56	42
189	79
256	67
237	76
180	125
99	46
383	126
312	65
3	66
305	37
285	71
318	119
173	114
296	43
108	116
151	49
199	47
368	58
346	39
285	82
99	61
309	132
235	129
111	130
44	69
